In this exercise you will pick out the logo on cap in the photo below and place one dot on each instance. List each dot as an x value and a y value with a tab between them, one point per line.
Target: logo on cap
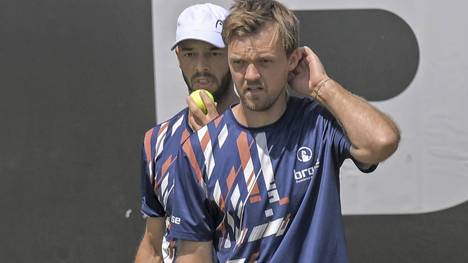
219	23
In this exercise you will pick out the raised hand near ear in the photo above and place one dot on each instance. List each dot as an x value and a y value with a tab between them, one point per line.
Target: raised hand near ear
196	117
309	74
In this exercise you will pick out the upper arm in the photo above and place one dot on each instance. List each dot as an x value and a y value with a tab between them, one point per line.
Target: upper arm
194	252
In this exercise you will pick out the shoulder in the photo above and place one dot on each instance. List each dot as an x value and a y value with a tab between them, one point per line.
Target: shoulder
179	119
176	121
164	132
308	106
304	104
306	111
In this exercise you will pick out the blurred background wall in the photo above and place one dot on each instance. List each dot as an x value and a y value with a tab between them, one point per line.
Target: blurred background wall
76	96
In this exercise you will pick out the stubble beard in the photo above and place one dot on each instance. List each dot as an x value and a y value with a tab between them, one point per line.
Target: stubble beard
260	104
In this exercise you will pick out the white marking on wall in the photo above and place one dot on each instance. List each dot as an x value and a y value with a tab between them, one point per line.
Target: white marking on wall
128	213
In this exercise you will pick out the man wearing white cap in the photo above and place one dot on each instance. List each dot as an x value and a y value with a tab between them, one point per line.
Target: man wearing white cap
202	58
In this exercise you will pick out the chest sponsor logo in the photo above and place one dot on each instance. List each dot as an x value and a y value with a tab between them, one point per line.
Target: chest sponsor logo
305	174
304	154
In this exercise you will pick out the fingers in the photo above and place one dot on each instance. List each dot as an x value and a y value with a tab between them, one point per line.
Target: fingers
316	68
197	118
196	115
193	108
309	56
193	123
209	104
303	66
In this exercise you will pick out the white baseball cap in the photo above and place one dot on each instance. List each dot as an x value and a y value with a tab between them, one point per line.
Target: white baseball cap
201	22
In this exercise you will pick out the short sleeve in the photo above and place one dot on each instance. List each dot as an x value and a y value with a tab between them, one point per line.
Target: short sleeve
342	147
150	205
190	219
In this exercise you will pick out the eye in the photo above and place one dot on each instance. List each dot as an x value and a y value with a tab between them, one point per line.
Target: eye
217	54
236	62
188	54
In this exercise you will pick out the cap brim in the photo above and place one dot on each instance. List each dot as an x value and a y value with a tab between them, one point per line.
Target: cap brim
213	38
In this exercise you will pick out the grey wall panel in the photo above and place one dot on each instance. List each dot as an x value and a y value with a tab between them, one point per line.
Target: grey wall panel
77	95
430	238
372	52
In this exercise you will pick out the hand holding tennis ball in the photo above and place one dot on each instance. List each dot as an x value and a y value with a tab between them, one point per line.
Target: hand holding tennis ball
202	109
196	96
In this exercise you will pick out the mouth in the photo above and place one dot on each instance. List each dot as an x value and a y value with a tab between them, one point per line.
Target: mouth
202	82
254	89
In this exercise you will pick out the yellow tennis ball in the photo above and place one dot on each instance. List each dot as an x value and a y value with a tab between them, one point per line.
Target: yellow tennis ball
199	101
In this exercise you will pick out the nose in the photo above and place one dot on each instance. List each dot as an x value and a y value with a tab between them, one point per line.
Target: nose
202	64
251	73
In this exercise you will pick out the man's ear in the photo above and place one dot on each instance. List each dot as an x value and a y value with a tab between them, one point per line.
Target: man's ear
294	59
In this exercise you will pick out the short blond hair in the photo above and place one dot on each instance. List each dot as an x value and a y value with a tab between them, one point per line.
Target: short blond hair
248	16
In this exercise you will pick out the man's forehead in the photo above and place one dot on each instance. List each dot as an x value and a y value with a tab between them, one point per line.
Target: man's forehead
192	44
264	40
253	45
